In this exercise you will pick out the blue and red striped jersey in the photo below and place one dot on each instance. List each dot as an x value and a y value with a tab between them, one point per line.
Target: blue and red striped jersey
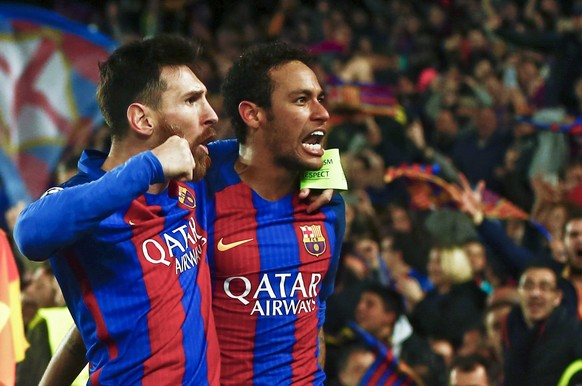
273	266
133	269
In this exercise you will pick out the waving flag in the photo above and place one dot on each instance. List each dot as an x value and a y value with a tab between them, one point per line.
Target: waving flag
49	74
373	99
13	344
573	128
385	370
429	191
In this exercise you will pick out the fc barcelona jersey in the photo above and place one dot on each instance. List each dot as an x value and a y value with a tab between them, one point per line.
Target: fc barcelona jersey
134	271
273	266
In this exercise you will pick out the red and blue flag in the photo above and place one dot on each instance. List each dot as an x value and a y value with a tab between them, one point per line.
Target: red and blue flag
429	191
386	369
49	75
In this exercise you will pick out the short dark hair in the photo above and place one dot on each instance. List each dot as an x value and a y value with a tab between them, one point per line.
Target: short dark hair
574	212
541	263
249	78
132	74
391	299
470	362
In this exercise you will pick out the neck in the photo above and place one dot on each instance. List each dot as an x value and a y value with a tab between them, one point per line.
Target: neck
262	174
120	152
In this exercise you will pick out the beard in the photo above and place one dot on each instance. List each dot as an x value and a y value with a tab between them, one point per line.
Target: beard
202	160
284	155
201	164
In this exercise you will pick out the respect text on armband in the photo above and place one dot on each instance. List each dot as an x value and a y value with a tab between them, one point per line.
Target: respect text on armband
276	294
182	246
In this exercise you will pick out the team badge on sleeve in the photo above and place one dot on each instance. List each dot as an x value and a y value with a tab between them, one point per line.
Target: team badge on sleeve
313	239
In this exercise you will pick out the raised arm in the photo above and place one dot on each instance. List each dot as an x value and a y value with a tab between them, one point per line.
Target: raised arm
63	214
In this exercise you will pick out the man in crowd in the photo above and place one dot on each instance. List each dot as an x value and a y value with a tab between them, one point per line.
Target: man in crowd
540	338
126	236
516	258
379	315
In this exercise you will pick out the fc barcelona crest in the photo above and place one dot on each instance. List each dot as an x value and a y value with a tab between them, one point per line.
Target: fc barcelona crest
313	239
186	197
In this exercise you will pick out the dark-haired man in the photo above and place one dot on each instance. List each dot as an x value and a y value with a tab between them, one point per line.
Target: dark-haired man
273	264
540	338
382	325
126	236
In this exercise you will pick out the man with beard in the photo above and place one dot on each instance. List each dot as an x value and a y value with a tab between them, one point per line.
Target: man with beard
126	236
540	338
273	264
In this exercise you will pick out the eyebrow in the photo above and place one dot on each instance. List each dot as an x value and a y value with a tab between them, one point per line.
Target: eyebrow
307	92
194	93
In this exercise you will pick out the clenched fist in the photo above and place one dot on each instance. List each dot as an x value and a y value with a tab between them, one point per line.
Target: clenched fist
176	159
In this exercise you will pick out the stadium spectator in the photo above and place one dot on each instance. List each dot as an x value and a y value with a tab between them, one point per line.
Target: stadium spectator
540	338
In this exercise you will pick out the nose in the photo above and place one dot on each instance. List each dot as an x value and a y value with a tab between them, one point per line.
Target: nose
320	113
209	115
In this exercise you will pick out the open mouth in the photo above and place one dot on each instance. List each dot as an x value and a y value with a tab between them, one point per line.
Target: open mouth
209	138
313	141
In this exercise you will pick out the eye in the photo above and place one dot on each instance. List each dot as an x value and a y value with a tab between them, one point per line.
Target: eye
193	98
301	99
321	99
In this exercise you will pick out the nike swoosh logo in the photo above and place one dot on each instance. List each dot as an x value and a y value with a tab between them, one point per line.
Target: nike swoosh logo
225	247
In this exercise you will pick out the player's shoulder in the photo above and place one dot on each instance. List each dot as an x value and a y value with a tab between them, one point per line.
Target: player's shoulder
221	172
222	149
337	200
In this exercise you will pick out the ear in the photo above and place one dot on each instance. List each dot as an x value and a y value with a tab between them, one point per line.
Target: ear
141	119
250	113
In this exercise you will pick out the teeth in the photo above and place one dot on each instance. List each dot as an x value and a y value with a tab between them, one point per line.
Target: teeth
315	146
318	132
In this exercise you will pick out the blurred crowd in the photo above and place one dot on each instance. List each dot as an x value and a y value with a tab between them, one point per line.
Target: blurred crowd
491	89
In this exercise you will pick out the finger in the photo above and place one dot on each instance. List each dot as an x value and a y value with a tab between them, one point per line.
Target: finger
193	165
304	193
464	182
314	206
320	200
480	187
